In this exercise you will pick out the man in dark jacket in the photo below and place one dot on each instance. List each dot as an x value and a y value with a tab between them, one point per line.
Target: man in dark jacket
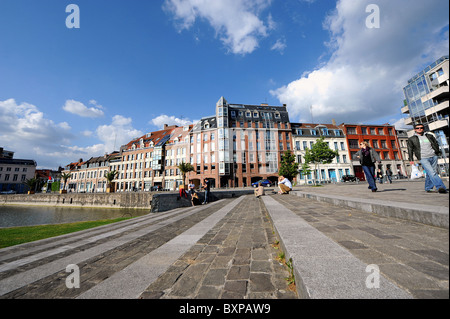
425	147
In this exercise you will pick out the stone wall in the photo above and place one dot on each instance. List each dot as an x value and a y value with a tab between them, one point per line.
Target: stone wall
106	200
156	202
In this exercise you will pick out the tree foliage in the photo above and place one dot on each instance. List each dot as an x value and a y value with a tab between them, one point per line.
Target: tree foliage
65	177
110	176
184	169
320	153
288	166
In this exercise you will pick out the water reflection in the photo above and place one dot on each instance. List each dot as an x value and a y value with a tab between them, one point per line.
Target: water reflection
12	216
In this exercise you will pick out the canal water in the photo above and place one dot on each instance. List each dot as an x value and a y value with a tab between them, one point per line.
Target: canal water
13	216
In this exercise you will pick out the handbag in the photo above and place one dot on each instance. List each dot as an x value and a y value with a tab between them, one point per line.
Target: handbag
415	173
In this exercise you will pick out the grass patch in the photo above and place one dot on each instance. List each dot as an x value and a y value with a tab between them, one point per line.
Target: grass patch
19	235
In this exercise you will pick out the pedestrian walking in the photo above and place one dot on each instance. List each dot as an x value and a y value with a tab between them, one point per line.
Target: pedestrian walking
367	158
425	148
285	185
389	175
380	176
206	187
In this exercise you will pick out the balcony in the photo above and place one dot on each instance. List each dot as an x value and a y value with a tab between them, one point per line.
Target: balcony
440	92
405	109
437	109
408	121
437	125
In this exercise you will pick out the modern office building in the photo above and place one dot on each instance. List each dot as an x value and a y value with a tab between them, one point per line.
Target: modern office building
427	102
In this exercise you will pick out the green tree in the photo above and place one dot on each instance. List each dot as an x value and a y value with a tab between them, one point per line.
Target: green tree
306	169
184	169
320	153
288	166
31	183
65	177
110	176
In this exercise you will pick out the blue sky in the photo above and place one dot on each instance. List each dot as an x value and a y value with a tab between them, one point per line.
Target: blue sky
134	65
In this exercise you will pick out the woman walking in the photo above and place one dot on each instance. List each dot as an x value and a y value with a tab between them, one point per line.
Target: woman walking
367	158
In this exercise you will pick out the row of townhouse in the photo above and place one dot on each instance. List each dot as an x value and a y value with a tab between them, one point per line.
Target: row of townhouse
236	147
345	139
88	176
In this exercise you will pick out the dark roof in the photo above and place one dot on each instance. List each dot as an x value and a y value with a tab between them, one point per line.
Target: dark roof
17	161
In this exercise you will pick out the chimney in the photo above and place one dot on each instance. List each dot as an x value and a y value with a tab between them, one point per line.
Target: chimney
165	126
333	121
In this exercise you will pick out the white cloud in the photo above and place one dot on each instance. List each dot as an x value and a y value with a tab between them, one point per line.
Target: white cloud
116	134
82	110
26	131
236	22
169	120
31	135
280	46
363	79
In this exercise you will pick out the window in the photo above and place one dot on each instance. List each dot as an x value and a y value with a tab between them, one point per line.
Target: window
351	130
353	143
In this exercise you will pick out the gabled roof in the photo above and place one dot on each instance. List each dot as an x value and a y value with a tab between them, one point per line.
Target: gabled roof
158	138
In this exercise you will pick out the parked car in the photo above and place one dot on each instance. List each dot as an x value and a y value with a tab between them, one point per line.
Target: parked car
8	192
155	188
349	178
264	182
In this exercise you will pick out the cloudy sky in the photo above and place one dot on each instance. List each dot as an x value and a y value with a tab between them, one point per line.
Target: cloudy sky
70	91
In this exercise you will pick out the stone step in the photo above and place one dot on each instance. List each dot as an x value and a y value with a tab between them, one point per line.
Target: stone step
324	269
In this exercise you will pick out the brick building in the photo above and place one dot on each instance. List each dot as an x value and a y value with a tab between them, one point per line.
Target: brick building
382	138
240	145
